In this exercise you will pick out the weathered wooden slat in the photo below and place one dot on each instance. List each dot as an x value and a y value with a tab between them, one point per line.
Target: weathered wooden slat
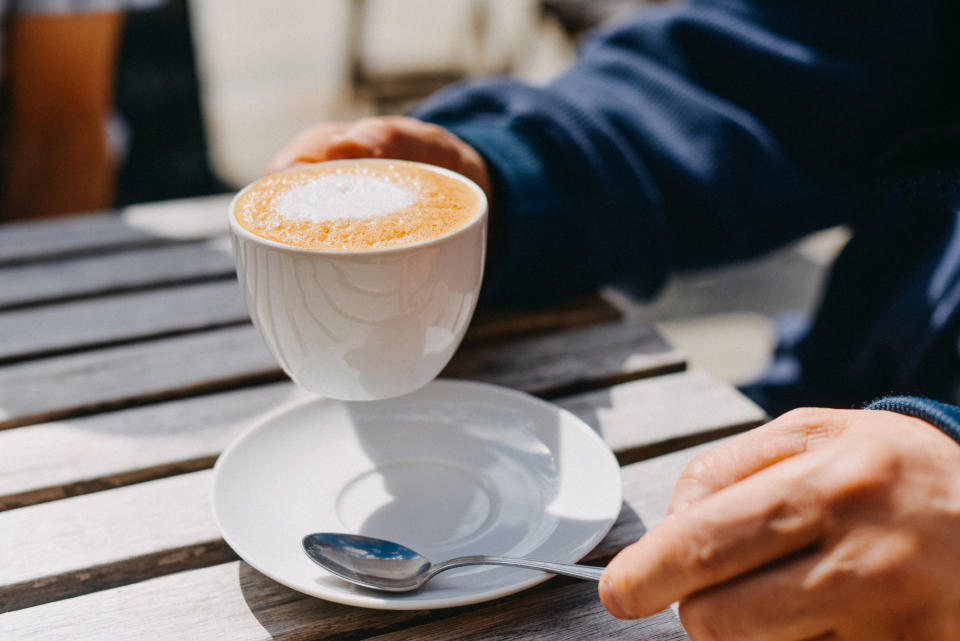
232	600
81	269
80	384
499	324
653	480
71	326
51	461
83	324
229	601
84	383
568	613
133	227
569	362
68	458
107	538
648	418
55	460
56	238
34	283
149	522
72	457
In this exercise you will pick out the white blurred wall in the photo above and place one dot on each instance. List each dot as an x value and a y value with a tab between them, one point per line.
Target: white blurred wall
269	69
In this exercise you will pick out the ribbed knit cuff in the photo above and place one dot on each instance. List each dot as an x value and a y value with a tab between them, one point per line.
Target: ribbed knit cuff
942	415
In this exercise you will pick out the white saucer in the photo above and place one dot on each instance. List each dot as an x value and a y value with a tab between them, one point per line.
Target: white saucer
454	468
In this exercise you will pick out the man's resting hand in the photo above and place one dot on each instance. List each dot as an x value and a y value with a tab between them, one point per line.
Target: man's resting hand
823	524
396	137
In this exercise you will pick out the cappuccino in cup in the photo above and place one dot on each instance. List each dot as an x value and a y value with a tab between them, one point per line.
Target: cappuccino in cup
361	275
356	206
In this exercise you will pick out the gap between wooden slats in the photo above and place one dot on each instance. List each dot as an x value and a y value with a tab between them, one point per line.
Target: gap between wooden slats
232	600
91	542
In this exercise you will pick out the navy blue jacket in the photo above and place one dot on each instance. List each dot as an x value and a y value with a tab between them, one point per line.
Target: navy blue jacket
715	130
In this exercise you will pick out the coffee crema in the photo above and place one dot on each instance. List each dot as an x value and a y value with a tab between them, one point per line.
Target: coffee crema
356	205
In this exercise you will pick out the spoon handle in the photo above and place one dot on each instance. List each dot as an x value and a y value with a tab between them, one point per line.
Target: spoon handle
587	572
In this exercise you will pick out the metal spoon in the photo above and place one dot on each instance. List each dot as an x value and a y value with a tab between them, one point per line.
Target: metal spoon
385	565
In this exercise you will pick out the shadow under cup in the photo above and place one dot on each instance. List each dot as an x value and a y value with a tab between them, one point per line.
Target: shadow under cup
368	324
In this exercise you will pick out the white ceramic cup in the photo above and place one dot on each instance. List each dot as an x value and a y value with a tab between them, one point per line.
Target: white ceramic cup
369	324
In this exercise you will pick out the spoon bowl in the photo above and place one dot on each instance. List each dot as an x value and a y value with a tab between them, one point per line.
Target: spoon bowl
385	565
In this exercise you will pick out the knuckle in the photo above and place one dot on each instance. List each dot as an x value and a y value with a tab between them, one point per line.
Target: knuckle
413	124
696	470
347	148
794	518
372	122
399	122
864	476
699	468
802	413
892	560
318	131
872	562
805	416
810	426
704	556
376	127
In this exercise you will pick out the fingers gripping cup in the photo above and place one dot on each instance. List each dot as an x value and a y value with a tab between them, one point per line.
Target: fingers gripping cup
361	275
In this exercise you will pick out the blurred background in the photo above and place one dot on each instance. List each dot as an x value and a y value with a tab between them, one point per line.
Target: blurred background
211	89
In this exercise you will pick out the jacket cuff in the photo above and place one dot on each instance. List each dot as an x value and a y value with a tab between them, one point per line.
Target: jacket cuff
942	415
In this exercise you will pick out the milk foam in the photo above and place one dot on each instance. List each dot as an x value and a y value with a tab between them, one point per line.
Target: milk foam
338	196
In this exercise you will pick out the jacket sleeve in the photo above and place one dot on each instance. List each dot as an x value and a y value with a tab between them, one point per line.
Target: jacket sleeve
943	415
694	134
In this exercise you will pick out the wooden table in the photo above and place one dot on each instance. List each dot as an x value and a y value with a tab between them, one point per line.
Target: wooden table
127	364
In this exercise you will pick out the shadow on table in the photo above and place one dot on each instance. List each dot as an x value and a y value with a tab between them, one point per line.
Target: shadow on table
286	613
